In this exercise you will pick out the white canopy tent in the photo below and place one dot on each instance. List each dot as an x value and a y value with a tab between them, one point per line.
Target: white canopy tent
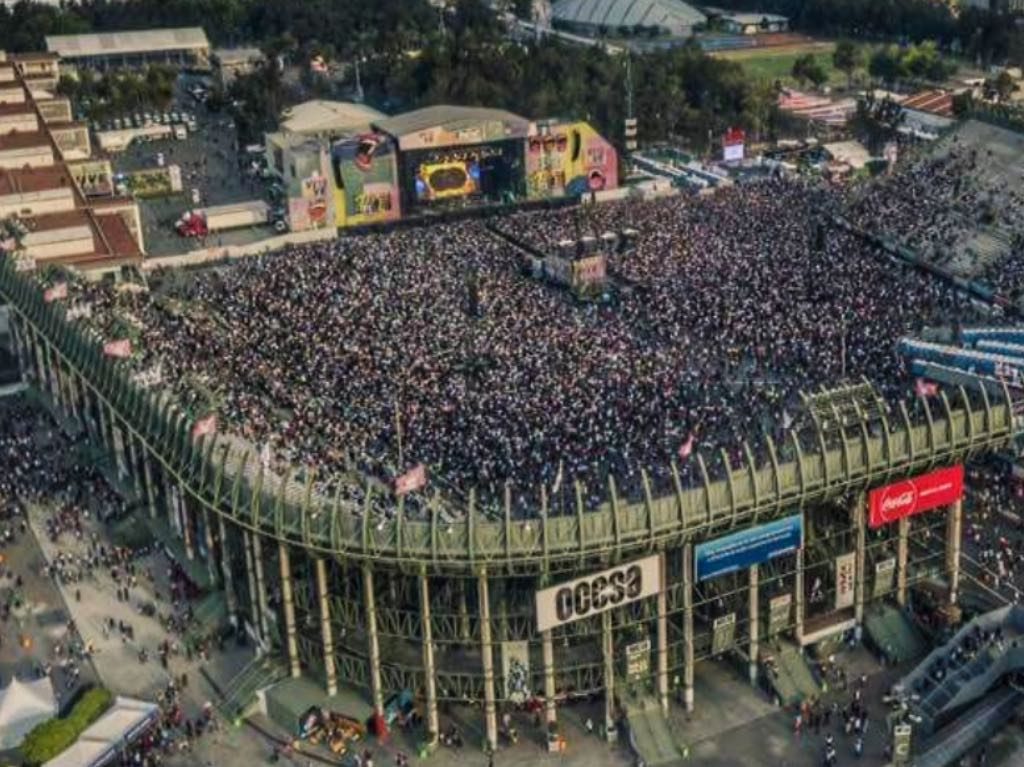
104	739
23	705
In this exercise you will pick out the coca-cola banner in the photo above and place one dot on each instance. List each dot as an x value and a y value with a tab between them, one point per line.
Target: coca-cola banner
913	496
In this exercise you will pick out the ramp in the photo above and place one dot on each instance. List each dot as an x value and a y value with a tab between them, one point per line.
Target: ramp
790	676
946	686
974	727
650	734
892	633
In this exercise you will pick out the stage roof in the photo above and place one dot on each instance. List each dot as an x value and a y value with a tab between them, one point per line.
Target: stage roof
447	125
319	116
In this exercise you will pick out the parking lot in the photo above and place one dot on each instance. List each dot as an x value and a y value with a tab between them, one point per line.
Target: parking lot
210	164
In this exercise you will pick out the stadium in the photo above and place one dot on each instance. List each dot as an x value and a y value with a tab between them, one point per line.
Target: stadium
414	465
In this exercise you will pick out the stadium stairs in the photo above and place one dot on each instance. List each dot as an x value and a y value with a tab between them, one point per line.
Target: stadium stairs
974	727
240	692
892	633
940	702
792	680
650	733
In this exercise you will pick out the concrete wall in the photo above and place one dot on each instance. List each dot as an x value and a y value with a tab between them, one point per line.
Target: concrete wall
208	255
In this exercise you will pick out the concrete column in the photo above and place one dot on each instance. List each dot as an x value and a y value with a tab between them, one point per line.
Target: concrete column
662	639
211	547
186	525
261	586
548	650
429	672
288	605
487	656
860	559
798	629
902	552
463	611
147	471
608	653
370	604
20	351
326	631
227	576
133	464
250	572
75	390
755	626
688	626
117	446
954	537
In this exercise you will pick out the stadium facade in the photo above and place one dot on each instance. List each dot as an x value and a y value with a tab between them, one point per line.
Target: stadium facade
437	158
624	599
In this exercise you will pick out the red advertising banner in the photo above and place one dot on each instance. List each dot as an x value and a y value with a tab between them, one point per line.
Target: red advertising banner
913	496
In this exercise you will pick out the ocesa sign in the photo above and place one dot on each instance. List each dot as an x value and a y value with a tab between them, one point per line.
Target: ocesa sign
598	592
912	496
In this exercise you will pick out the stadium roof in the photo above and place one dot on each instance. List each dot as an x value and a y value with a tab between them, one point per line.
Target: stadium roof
318	116
628	13
451	119
119	43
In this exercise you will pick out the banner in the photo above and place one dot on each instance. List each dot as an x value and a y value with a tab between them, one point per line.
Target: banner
748	547
901	735
638	660
55	293
885	571
779	610
596	593
122	348
412	480
846	578
915	495
515	670
204	426
723	634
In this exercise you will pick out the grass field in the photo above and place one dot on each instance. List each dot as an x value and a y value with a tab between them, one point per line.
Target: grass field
776	63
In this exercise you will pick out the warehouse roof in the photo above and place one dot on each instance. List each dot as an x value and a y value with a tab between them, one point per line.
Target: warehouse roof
118	43
447	117
627	13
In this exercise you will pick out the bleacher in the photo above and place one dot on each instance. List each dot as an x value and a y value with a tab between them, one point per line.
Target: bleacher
946	686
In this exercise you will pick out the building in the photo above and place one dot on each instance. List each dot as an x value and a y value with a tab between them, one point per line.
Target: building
185	47
229	63
753	23
346	166
451	605
54	196
627	18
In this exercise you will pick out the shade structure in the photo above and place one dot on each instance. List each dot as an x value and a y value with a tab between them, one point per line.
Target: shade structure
23	705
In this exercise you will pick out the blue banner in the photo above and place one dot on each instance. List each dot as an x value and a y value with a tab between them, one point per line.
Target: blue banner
737	551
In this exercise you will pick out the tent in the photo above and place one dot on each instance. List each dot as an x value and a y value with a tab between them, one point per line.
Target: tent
105	738
23	705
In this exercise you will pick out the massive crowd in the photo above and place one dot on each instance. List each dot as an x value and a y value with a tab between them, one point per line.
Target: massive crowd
431	346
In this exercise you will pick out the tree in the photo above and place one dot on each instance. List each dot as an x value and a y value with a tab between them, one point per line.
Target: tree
847	58
807	67
885	65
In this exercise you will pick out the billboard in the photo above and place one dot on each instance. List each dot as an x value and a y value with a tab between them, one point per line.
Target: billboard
441	180
364	176
740	550
569	159
596	593
464	133
779	611
915	495
733	145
